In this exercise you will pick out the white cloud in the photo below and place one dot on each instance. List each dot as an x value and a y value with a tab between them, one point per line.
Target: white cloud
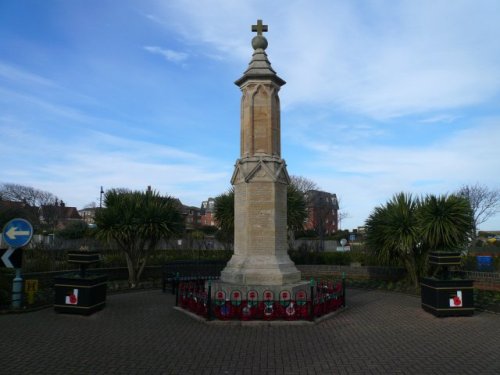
380	59
168	54
364	177
74	169
16	75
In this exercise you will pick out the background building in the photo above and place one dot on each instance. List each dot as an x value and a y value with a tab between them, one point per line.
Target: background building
322	209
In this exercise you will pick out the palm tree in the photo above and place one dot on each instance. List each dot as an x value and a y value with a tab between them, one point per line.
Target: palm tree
405	229
446	222
392	233
136	221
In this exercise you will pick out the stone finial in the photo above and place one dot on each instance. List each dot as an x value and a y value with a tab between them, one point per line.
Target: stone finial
259	41
259	67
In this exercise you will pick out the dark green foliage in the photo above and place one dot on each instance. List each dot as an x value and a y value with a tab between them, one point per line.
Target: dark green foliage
445	222
337	236
296	209
403	231
310	233
74	230
315	257
487	300
208	229
136	222
224	216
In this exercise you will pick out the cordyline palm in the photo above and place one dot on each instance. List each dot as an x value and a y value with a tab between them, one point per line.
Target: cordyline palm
136	221
445	222
406	229
393	234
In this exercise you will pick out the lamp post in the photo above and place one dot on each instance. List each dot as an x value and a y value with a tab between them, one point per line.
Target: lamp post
100	197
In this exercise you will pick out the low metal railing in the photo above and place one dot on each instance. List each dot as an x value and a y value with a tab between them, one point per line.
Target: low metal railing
196	296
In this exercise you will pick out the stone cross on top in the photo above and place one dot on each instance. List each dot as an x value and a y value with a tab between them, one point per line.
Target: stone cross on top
259	28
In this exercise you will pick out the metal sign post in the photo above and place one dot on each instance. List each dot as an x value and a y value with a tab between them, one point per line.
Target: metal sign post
16	233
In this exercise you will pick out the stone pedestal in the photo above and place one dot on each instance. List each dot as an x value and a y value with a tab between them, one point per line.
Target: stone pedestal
260	250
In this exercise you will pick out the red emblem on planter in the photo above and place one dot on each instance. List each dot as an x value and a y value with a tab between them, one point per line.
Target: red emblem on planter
72	298
456	301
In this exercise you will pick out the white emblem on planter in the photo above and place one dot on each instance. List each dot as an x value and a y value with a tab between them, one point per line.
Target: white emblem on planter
456	301
72	299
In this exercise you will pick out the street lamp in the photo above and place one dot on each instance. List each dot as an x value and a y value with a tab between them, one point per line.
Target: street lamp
100	198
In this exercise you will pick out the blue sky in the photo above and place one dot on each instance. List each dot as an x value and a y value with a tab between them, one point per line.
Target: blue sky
381	96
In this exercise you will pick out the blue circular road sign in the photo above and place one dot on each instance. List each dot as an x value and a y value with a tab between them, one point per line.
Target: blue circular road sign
17	233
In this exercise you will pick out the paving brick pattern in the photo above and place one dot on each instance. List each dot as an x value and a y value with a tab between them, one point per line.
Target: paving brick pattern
140	333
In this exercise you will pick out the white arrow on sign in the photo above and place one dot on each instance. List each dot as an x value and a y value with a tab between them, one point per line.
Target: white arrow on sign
13	232
6	256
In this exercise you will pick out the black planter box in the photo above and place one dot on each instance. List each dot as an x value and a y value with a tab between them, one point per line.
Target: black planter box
77	295
443	298
441	258
83	257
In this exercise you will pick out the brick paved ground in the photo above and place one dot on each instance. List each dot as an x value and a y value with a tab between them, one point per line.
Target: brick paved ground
140	333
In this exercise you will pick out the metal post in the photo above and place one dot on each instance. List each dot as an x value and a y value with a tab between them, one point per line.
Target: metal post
100	197
311	312
17	290
343	289
209	300
176	281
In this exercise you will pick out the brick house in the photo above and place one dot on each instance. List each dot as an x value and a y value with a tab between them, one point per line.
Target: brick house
58	214
207	212
192	217
322	209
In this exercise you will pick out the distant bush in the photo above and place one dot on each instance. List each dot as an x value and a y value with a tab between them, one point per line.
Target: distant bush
74	230
306	234
307	257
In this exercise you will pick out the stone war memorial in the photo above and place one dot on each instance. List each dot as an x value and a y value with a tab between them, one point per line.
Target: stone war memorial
260	281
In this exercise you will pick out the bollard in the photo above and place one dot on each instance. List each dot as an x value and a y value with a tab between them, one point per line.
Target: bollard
17	290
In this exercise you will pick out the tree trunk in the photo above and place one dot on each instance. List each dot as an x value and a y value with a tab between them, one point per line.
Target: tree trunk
412	272
132	276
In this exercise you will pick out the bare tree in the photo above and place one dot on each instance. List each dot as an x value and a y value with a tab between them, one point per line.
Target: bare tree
342	213
27	194
303	184
484	203
91	205
341	216
28	199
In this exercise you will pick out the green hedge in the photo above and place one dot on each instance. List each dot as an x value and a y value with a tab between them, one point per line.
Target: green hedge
336	258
